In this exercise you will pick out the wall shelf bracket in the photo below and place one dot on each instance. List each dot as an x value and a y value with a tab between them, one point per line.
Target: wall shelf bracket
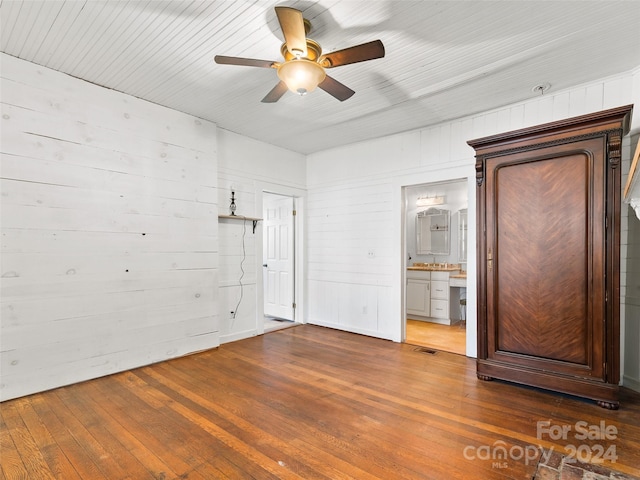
243	218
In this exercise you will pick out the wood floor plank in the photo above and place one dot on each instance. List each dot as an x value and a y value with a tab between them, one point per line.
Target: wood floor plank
97	451
74	451
11	465
292	417
322	423
32	458
304	402
148	426
118	428
245	418
374	398
255	416
272	469
56	459
172	427
113	450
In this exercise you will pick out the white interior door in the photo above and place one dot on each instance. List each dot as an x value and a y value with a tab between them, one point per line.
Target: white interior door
278	256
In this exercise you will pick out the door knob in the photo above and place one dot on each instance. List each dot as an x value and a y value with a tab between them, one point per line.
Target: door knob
264	264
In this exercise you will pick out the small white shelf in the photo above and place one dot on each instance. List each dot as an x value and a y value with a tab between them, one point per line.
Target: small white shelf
241	217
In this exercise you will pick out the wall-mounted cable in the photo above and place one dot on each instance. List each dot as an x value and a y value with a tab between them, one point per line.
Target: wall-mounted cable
244	256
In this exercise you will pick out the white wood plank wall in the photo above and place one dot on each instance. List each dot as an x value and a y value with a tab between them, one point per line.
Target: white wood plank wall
353	204
109	231
249	167
349	255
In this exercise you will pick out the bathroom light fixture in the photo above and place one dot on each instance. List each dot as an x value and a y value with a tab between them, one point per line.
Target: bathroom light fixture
301	75
430	201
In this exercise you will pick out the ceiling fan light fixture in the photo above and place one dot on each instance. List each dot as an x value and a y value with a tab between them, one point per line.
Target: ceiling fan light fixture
304	65
300	75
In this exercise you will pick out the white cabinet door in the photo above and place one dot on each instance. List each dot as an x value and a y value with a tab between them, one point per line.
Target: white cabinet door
418	297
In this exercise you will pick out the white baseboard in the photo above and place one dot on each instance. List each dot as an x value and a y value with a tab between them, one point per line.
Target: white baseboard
232	337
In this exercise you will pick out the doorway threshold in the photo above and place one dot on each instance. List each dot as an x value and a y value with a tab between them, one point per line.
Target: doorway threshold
272	324
447	338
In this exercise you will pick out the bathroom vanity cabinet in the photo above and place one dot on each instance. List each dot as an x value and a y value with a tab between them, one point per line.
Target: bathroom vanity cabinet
548	226
428	294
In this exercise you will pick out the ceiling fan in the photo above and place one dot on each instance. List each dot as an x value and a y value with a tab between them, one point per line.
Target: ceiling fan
304	64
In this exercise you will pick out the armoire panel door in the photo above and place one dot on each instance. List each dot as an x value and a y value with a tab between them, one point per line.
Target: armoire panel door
545	240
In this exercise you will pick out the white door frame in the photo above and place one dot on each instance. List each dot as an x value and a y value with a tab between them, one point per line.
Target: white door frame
400	206
299	197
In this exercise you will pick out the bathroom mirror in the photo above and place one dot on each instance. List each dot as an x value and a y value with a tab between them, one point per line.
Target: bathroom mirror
432	232
462	235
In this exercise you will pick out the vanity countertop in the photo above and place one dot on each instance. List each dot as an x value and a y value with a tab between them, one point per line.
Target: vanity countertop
435	267
459	275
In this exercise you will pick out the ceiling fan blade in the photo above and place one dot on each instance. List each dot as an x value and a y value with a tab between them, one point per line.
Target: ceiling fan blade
247	62
292	25
358	53
276	92
335	88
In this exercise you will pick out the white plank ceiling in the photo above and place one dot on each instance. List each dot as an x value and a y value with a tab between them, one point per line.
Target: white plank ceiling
444	59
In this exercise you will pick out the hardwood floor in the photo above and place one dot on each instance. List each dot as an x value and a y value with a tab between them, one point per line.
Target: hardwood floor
302	403
448	338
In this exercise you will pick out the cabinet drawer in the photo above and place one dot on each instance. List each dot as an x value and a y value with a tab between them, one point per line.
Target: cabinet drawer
458	282
443	276
440	290
440	308
419	274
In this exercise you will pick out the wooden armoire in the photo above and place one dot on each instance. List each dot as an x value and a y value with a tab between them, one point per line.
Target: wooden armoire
548	200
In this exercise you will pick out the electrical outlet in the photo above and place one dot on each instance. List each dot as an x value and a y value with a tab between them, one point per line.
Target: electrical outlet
371	253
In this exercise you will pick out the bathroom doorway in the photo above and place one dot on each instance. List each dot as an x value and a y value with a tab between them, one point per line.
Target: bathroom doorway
436	244
278	255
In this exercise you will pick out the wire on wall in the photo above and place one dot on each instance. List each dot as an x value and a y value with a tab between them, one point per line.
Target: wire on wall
244	256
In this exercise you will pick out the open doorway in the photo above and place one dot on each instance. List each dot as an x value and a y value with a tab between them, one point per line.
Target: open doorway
436	265
279	261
